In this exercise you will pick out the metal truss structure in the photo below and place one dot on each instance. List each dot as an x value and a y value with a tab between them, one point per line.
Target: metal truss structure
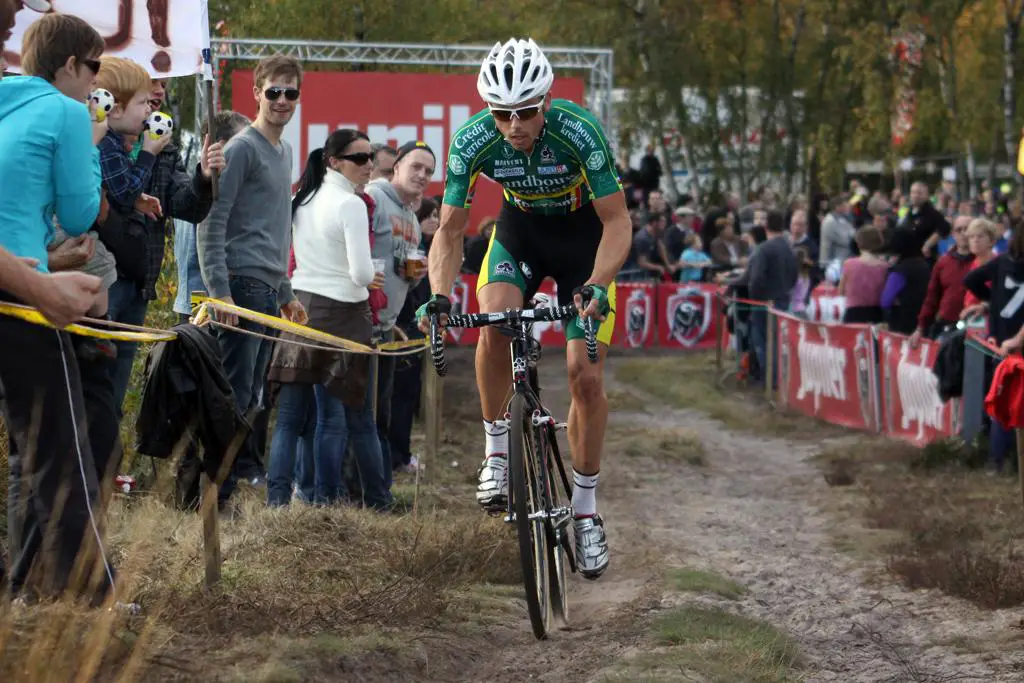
597	62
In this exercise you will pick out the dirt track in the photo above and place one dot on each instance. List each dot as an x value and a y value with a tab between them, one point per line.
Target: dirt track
747	516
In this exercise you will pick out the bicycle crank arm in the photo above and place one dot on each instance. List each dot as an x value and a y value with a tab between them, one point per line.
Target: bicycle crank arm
561	516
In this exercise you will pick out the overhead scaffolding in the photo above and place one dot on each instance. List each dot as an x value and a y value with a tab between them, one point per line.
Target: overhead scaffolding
597	62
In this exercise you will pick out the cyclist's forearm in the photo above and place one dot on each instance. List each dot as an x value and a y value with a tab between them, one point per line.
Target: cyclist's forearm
445	260
612	251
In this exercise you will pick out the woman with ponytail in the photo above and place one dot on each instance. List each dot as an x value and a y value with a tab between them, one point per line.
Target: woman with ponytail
332	277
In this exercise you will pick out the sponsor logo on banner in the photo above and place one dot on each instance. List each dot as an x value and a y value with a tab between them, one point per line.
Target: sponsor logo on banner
688	315
639	316
822	368
460	299
919	391
825	305
864	357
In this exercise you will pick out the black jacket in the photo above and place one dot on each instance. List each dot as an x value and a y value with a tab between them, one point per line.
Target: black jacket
949	365
999	282
902	317
186	385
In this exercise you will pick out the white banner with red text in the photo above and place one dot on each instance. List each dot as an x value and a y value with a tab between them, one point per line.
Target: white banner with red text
166	38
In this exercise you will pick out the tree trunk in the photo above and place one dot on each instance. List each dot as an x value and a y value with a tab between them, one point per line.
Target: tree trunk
1011	34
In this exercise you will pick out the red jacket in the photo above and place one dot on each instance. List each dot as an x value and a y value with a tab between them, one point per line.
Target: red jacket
945	297
1005	400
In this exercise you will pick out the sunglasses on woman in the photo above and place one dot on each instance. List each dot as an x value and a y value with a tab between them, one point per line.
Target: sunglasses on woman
290	94
523	113
360	158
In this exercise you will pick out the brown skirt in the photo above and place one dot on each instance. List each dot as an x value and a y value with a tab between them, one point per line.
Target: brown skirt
345	375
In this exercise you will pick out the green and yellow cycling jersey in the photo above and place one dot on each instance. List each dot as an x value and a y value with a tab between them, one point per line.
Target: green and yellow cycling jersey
571	163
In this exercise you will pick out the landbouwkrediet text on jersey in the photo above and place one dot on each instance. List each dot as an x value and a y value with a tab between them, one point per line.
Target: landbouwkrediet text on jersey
572	128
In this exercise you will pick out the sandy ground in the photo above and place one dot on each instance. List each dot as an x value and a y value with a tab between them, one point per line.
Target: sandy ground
748	515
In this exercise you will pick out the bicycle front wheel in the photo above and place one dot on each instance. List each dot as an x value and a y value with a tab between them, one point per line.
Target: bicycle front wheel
527	499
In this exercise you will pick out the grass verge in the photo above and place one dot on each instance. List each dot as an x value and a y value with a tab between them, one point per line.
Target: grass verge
667	445
932	515
697	581
689	381
696	643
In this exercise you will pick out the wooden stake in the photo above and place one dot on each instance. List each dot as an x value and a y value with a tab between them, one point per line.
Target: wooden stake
769	355
1019	433
211	532
719	337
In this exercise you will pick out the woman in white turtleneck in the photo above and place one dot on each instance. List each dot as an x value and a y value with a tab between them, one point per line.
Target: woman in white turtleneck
333	274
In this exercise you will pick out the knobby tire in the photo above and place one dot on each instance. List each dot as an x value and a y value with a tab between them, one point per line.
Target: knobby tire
526	499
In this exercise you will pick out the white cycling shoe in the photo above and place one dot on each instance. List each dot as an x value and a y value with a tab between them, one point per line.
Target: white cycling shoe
591	546
492	486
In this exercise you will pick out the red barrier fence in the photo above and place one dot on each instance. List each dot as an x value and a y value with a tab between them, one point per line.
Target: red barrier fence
667	315
849	375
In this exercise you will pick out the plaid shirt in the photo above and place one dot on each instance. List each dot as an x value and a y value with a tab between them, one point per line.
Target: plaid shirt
181	196
123	178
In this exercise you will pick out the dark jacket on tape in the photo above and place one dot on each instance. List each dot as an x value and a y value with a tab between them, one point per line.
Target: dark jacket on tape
949	365
186	384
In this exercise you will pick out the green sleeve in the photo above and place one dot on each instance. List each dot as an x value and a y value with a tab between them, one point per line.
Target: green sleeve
591	147
465	158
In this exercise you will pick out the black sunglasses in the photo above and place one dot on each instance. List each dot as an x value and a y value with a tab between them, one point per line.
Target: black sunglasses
93	65
360	158
290	94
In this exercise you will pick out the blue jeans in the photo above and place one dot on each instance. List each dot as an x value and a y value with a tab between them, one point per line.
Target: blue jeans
295	403
245	360
126	306
759	339
1000	442
340	426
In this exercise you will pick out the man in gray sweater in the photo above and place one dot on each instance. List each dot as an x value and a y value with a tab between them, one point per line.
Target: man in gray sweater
396	237
244	243
772	274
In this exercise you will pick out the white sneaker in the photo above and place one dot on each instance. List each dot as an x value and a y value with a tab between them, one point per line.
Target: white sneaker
591	546
492	489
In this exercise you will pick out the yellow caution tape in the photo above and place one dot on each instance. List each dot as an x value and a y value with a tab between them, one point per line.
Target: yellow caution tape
282	325
142	335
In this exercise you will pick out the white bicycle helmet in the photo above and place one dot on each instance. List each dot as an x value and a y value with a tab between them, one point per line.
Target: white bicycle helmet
514	72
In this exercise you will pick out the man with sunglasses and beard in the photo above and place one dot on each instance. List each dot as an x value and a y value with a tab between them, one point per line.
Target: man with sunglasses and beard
564	217
245	241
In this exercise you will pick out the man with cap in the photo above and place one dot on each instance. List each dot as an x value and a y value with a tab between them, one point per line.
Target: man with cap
396	241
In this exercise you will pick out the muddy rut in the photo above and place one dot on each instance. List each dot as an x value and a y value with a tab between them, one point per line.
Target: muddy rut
748	515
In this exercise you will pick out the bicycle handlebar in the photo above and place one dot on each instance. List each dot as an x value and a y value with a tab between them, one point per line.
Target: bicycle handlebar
513	317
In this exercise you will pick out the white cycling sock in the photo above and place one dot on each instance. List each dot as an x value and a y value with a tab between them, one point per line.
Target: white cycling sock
497	438
584	494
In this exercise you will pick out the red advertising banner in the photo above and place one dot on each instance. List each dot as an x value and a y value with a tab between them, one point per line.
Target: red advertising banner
687	315
826	306
636	305
911	407
392	108
464	300
828	371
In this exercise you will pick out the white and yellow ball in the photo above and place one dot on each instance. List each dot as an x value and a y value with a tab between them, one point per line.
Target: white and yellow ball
101	102
159	125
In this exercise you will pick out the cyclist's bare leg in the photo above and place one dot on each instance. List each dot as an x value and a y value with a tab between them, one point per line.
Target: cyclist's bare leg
588	412
493	379
588	418
493	366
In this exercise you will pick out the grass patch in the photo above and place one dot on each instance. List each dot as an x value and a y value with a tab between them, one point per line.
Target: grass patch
625	401
932	517
697	581
688	381
714	645
306	592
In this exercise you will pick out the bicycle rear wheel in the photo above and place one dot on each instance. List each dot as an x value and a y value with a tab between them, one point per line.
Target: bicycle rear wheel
527	499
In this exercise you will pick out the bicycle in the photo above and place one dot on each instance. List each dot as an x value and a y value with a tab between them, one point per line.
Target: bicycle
539	508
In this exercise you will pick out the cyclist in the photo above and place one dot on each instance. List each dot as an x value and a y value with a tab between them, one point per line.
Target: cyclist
564	216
